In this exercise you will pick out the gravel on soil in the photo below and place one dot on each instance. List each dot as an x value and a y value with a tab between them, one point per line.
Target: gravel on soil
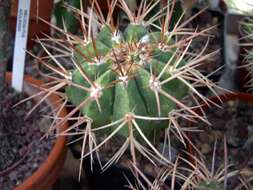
22	149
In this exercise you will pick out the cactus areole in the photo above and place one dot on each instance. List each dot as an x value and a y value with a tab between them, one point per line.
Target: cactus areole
124	73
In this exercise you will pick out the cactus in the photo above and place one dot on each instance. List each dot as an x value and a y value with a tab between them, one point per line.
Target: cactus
134	70
204	173
128	83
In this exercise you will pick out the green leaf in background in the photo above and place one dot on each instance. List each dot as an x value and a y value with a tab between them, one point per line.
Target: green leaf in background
62	13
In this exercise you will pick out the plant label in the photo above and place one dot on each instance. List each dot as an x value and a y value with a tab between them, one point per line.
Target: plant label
20	44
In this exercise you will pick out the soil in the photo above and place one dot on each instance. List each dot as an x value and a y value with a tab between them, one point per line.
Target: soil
235	122
22	149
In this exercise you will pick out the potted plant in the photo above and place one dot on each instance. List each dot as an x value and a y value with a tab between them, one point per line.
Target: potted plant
128	85
231	133
196	174
27	161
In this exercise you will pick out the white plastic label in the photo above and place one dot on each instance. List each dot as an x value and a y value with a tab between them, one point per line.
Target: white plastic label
20	44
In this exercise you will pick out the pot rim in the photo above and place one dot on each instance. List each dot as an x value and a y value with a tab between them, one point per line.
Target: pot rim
223	98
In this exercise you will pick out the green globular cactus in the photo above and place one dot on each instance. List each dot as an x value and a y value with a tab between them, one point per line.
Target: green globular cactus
129	83
133	60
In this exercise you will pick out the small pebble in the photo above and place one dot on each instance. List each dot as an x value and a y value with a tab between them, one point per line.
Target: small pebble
205	148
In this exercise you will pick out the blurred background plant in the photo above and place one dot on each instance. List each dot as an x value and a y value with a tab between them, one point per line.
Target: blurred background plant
64	16
247	31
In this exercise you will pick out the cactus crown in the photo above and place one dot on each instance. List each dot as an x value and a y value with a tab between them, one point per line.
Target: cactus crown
129	82
129	73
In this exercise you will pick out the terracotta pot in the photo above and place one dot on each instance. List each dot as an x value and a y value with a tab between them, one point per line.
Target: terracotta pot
49	171
39	8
